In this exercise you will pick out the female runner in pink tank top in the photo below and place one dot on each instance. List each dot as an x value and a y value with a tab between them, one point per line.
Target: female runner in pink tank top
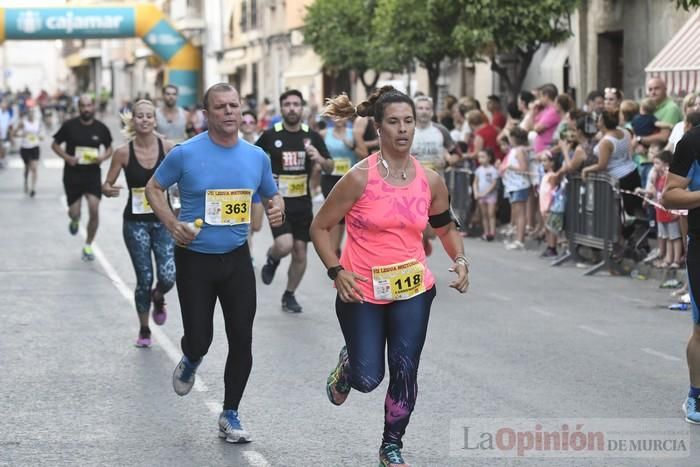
384	286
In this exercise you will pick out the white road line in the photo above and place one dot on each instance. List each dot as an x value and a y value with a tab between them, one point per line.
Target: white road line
595	331
665	356
13	163
128	294
498	296
53	163
214	407
539	311
255	459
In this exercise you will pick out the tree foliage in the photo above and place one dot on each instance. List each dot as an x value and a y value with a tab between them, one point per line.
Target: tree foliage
414	30
498	28
340	32
687	4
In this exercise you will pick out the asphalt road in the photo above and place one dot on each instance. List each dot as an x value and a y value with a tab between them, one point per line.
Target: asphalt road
527	342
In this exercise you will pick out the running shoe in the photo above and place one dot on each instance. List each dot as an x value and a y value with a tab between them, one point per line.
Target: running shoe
144	339
73	227
268	270
690	409
290	304
671	284
516	245
230	428
549	252
160	313
88	254
32	193
337	386
183	376
390	456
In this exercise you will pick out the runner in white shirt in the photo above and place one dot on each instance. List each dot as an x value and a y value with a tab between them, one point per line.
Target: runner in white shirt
30	130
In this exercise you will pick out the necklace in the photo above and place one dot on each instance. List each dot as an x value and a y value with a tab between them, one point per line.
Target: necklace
388	170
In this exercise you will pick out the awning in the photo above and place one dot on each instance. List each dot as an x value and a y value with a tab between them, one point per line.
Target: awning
678	63
74	60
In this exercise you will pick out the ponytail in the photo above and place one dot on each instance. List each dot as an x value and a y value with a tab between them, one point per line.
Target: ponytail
127	117
341	107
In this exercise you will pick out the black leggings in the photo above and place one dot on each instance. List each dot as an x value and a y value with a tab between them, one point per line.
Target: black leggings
401	326
201	279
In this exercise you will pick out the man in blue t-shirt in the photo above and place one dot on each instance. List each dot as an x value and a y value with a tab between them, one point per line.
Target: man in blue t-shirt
217	174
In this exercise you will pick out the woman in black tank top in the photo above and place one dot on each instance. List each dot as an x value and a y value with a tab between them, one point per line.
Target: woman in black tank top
144	234
366	138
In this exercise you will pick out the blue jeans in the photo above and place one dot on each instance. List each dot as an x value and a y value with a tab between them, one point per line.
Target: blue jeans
141	239
400	326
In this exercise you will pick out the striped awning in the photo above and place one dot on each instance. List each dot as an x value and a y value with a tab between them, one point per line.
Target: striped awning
678	63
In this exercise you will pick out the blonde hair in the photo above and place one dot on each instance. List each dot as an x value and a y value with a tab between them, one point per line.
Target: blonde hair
127	117
689	100
628	109
475	117
648	106
341	106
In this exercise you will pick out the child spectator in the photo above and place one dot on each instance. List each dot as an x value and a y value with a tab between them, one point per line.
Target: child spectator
628	110
668	224
516	181
486	193
644	124
546	193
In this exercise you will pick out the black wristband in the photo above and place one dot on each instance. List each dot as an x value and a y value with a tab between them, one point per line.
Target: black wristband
333	271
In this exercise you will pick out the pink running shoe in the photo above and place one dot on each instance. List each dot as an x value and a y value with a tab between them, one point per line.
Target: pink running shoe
143	341
160	313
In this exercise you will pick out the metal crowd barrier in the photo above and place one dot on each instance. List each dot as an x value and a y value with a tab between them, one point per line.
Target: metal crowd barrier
592	217
459	184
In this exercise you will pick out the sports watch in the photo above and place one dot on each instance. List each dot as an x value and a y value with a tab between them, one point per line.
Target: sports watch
333	271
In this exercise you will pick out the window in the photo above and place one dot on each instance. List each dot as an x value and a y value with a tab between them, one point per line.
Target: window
254	79
244	16
253	14
231	24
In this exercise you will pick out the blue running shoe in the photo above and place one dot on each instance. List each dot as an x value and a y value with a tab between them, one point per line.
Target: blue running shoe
73	227
183	376
690	408
390	456
230	428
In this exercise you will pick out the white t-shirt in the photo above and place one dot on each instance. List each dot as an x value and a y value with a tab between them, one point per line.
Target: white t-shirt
461	134
485	176
429	145
31	132
676	134
5	122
